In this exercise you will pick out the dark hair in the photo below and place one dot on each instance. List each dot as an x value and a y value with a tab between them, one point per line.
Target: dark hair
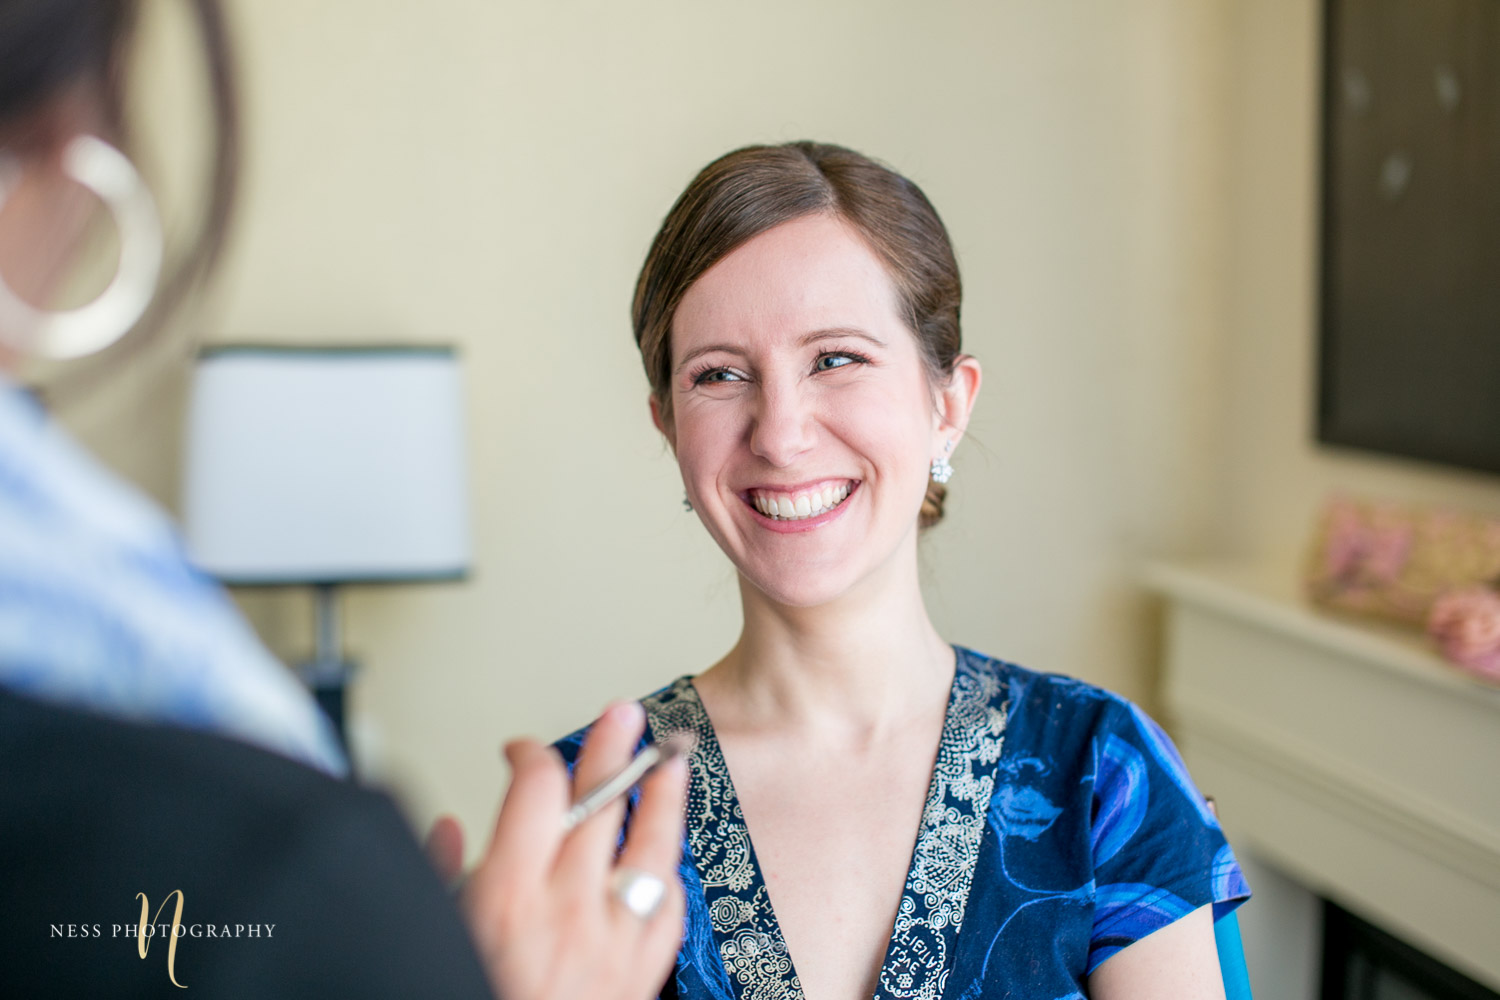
50	46
744	193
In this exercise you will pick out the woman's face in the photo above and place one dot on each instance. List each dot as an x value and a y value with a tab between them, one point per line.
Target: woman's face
804	421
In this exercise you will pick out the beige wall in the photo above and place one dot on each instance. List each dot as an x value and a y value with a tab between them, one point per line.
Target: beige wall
1129	189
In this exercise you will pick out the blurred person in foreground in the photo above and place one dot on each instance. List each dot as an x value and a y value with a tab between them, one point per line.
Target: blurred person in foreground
172	814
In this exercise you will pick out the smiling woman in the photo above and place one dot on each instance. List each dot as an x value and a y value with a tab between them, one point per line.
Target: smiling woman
874	811
798	379
753	190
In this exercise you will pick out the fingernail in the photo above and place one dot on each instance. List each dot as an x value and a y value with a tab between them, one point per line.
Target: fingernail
625	712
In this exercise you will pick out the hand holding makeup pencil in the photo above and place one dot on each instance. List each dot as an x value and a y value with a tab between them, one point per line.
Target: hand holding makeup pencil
554	913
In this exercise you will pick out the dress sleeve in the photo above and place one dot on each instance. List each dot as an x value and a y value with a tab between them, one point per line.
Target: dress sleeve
1158	851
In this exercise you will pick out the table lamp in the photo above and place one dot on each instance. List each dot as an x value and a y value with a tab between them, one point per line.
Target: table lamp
327	466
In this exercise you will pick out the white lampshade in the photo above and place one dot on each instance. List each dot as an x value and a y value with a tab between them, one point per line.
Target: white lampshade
327	465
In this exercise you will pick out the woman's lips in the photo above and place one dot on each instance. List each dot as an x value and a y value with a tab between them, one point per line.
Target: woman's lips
788	509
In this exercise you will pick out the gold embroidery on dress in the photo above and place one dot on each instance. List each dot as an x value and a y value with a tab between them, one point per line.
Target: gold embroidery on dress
931	912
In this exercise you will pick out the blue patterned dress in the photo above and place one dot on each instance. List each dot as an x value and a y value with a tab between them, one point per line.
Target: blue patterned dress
1060	827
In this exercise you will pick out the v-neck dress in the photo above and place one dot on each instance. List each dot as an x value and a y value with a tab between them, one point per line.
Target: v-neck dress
1060	826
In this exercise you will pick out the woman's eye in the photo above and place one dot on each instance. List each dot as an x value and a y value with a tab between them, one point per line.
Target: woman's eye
828	362
714	375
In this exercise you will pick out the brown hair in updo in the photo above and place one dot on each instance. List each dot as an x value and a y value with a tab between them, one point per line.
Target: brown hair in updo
751	190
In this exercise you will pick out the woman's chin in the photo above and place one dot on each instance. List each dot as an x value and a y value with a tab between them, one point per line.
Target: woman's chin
794	590
816	579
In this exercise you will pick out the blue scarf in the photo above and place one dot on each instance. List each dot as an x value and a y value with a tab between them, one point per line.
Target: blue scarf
100	609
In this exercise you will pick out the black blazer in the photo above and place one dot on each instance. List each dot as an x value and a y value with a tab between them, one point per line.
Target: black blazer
95	811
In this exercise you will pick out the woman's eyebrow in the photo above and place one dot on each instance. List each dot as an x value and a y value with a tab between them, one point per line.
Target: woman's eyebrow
811	338
841	331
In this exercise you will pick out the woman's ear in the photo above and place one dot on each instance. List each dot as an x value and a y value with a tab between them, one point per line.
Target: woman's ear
955	401
47	214
667	428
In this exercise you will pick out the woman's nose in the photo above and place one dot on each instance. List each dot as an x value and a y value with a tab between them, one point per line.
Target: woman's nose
784	425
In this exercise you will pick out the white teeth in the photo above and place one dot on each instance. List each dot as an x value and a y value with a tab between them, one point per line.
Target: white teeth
784	507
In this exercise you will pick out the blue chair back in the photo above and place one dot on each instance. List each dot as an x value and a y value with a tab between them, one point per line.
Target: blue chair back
1232	957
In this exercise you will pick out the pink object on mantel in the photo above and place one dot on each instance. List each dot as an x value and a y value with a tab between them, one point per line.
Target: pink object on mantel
1393	561
1466	625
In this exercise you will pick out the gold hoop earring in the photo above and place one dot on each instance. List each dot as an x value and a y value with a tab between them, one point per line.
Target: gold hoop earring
73	333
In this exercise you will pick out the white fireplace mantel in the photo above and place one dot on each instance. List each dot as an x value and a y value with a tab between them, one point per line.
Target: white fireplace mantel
1345	753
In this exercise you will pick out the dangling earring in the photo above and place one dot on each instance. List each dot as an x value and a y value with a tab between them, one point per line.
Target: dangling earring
942	470
687	504
72	333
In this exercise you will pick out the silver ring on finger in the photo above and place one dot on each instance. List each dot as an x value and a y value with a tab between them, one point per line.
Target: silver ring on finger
639	892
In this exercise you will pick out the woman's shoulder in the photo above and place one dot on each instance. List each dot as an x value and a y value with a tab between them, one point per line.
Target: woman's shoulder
1015	683
1058	718
1051	708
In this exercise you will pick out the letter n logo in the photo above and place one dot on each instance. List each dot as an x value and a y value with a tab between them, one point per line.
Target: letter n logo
142	941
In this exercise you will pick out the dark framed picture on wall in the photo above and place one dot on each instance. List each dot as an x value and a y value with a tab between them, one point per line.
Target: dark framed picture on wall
1409	339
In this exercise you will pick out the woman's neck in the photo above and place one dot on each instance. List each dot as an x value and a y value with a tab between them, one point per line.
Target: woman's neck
856	667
